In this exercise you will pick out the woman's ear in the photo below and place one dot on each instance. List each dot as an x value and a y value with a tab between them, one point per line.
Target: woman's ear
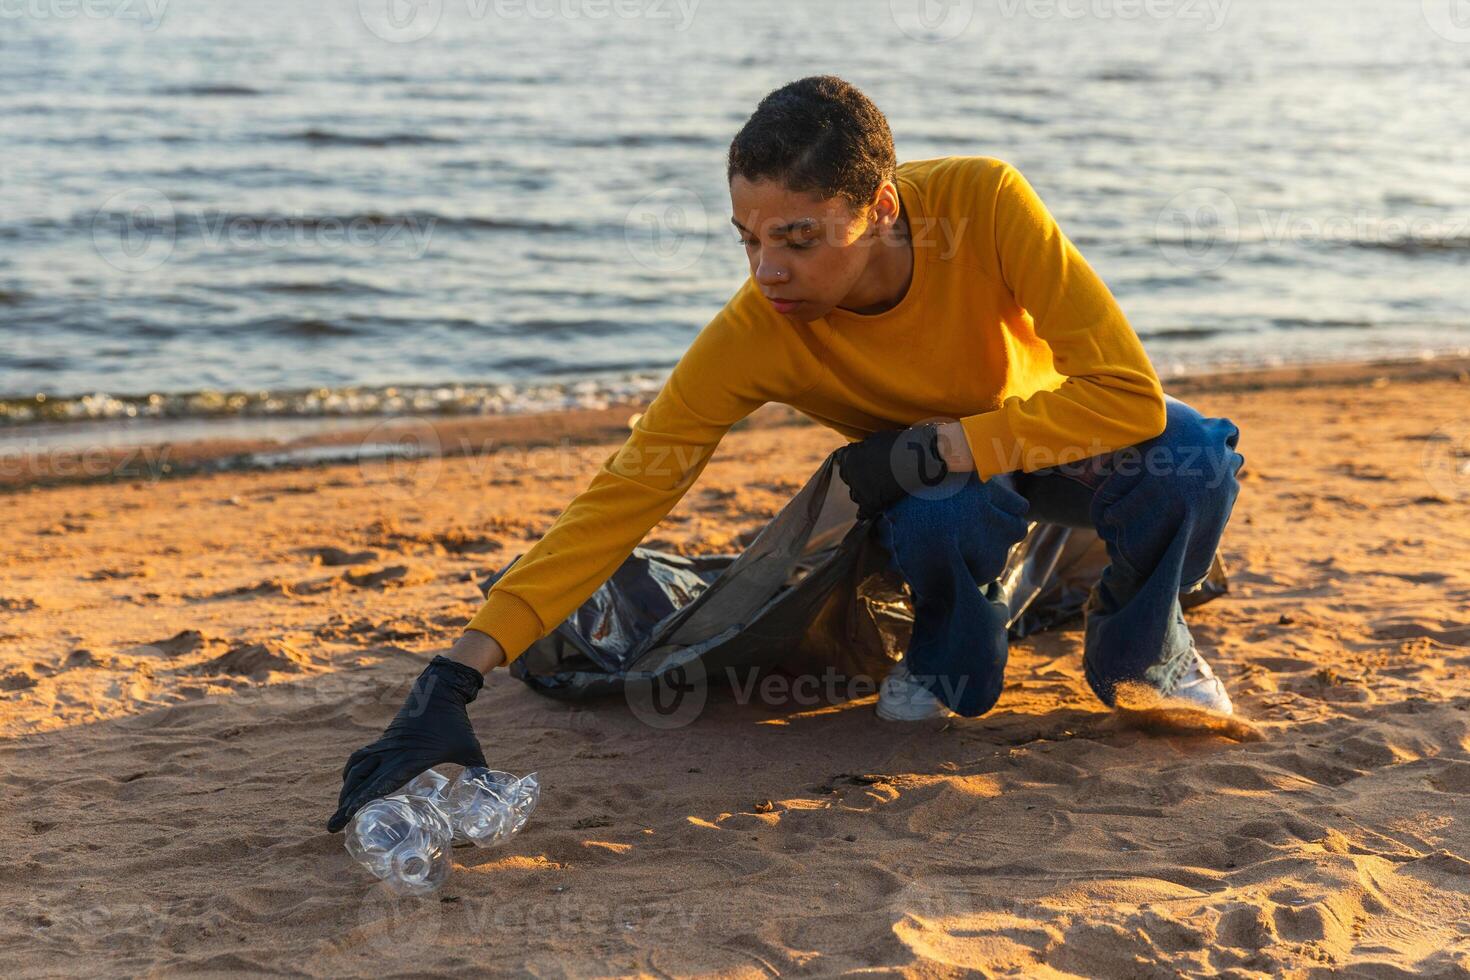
884	207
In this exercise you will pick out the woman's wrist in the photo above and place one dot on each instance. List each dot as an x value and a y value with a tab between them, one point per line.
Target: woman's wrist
954	447
478	650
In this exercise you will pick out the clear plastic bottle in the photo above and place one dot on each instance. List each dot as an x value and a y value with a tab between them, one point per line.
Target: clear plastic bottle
431	785
404	840
486	805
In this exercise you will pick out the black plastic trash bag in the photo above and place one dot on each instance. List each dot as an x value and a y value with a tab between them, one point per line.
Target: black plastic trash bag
812	594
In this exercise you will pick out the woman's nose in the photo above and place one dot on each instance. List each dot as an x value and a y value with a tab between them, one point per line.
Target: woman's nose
770	274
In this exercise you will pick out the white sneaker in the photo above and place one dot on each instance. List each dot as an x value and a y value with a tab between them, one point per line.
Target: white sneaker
901	698
1200	687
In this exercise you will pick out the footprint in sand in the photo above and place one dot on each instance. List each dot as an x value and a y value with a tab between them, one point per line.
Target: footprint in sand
18	679
257	660
106	574
336	557
1449	633
180	644
391	576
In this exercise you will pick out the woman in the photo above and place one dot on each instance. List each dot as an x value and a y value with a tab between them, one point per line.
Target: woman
935	315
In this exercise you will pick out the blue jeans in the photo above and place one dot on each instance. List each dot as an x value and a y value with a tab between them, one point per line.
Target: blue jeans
1159	507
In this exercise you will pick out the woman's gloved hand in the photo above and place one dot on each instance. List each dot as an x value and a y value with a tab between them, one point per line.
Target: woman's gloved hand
432	727
889	465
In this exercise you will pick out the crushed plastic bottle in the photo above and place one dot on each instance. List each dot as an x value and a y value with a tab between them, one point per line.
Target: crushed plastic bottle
487	805
431	785
404	839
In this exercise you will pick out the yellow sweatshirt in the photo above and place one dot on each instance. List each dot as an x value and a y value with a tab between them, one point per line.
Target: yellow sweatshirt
1004	327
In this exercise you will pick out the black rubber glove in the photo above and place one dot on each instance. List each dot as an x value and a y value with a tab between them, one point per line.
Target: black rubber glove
887	466
431	727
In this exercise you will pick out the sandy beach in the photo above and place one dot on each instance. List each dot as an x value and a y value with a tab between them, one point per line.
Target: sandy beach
188	660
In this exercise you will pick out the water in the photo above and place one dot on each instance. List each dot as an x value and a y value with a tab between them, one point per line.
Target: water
260	207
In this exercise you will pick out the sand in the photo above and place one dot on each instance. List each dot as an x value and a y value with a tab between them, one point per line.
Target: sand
188	661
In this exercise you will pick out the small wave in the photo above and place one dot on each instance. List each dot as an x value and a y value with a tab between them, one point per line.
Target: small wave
562	328
302	327
1125	74
639	140
1302	323
209	90
357	401
211	222
335	287
1417	245
13	297
1187	333
326	137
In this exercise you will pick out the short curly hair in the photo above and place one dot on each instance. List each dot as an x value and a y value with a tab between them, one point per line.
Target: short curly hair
818	134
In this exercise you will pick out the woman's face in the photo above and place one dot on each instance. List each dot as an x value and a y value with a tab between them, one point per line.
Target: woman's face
806	253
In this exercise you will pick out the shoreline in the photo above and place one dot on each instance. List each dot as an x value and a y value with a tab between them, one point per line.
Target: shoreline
184	447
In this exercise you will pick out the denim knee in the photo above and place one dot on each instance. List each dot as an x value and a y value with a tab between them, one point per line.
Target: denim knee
1181	480
1192	464
981	518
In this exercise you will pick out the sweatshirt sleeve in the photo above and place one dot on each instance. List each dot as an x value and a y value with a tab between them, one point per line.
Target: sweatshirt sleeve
710	389
1111	397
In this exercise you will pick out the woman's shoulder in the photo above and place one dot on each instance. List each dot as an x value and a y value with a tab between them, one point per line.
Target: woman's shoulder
941	178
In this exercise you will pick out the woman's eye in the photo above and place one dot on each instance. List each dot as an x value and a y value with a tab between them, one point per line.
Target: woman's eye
803	246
